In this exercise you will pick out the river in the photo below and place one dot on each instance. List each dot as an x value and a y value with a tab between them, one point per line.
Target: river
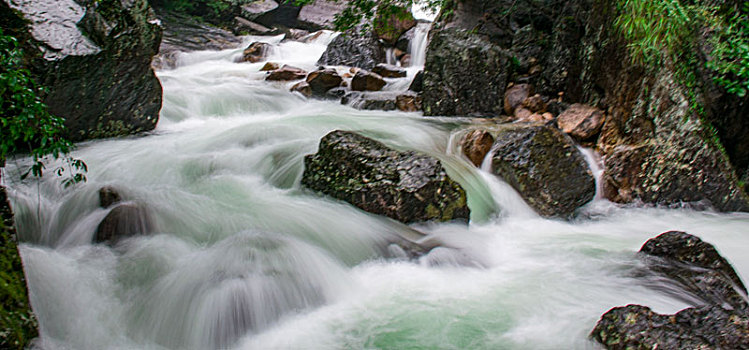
244	258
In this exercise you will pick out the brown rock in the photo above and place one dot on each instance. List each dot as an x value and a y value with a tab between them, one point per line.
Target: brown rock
367	81
535	104
548	116
108	196
408	103
476	144
286	73
514	97
406	60
269	67
303	88
523	114
389	71
124	220
256	52
580	121
320	81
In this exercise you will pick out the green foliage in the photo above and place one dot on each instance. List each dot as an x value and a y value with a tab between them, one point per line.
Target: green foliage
730	54
25	124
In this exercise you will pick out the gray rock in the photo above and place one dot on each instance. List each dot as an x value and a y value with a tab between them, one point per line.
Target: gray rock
258	8
406	186
464	74
354	49
320	14
544	166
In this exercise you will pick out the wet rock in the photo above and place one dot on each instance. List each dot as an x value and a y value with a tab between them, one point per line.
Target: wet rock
123	221
269	67
514	97
390	24
94	59
367	81
408	102
464	74
370	101
303	88
286	73
476	144
580	121
355	49
389	71
256	52
638	327
404	41
337	93
406	186
697	267
545	167
535	104
301	35
108	196
258	8
322	80
405	60
417	85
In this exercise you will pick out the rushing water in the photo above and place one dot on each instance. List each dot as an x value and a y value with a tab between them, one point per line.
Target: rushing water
244	258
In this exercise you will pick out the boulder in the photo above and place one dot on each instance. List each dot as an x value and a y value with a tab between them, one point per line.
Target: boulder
256	52
322	80
405	60
392	22
269	67
405	186
94	59
367	81
286	73
580	121
303	88
258	8
522	114
417	85
404	41
638	327
694	266
389	71
408	102
514	97
464	74
123	221
320	14
535	104
476	144
697	267
245	26
353	48
108	196
545	167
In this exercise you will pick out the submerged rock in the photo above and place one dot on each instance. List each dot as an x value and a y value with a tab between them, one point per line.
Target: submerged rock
545	167
94	59
405	186
286	73
354	49
123	221
256	52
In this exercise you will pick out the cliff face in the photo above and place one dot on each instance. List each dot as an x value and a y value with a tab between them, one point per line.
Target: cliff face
94	59
658	141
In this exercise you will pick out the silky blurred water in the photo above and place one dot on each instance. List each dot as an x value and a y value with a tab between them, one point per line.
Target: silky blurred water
244	258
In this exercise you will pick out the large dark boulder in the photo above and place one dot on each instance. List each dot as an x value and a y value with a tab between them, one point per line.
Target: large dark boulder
464	74
720	321
544	166
123	221
406	186
638	327
354	48
94	57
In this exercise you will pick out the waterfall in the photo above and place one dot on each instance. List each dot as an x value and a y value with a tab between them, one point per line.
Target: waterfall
242	257
418	45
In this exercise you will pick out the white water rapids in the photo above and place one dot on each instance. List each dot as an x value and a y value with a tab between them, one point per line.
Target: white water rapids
244	258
